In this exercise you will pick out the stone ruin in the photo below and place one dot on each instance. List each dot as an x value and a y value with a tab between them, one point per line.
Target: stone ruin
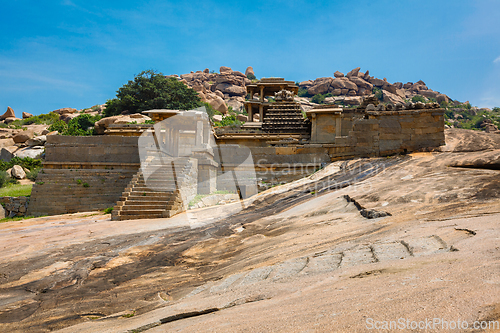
154	171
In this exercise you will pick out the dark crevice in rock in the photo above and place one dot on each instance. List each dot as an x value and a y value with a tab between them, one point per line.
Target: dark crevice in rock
407	247
374	256
367	213
185	315
477	166
468	231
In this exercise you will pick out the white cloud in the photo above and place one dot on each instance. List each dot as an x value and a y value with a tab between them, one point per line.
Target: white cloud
496	61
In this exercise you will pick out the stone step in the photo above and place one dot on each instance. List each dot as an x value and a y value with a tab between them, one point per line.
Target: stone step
142	212
140	207
144	198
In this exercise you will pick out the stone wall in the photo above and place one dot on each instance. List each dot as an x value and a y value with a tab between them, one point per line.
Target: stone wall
390	132
83	173
102	149
15	206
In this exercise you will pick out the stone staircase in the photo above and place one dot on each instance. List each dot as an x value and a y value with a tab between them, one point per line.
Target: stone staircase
285	117
163	193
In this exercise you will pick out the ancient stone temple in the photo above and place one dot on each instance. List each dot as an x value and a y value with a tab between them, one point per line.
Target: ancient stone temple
283	115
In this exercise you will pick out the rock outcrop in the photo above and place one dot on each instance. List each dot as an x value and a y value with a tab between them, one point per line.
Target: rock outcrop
356	83
8	114
18	172
27	115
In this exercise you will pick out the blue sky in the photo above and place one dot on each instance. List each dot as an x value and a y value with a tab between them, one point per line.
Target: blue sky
75	53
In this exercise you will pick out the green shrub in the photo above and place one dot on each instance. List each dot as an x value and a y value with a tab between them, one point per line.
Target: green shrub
3	178
318	98
108	210
83	125
228	120
26	162
210	110
303	93
43	119
379	94
418	98
152	90
251	76
86	185
59	126
31	175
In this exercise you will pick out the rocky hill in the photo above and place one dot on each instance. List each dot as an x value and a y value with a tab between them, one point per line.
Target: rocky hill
228	89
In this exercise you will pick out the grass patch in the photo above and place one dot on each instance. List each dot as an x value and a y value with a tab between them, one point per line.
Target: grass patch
18	218
108	210
16	190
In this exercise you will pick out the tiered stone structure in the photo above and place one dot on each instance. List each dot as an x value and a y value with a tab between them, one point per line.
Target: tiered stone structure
82	173
282	91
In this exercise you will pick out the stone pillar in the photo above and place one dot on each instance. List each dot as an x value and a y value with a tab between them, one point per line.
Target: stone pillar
262	94
198	140
261	113
250	112
338	126
206	134
175	142
314	131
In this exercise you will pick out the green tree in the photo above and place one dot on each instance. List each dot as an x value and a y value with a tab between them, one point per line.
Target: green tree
152	90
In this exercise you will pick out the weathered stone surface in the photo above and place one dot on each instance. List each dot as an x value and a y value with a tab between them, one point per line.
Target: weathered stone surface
65	110
429	93
22	136
353	72
9	120
218	104
392	98
37	141
249	71
8	114
66	117
33	152
225	70
232	90
236	105
370	107
377	82
321	88
338	83
18	172
6	142
361	83
338	74
7	153
350	85
305	84
242	117
27	115
442	98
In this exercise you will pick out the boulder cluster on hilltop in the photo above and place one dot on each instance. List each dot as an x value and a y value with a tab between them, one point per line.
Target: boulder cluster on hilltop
357	84
228	88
